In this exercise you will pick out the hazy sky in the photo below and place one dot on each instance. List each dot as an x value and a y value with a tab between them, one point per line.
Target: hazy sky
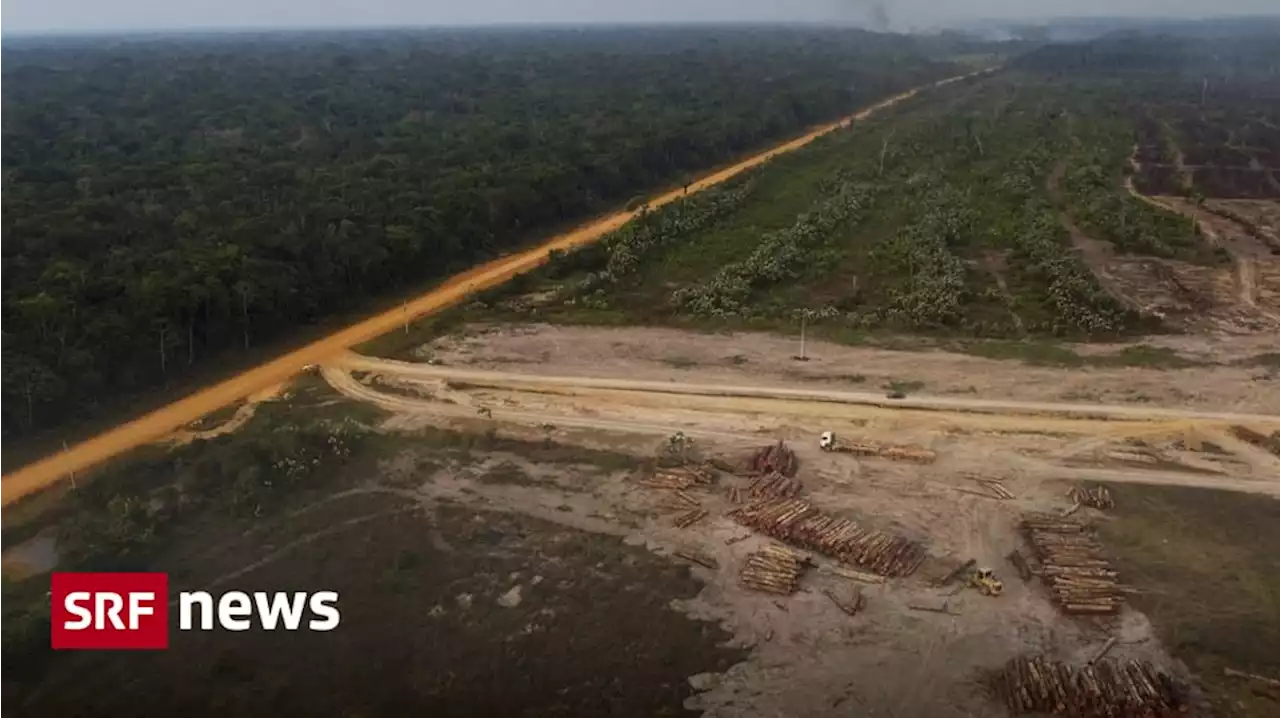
88	15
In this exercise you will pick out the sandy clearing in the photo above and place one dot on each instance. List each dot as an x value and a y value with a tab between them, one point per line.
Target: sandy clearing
666	355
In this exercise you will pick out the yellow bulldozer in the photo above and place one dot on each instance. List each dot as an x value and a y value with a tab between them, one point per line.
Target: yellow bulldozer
984	579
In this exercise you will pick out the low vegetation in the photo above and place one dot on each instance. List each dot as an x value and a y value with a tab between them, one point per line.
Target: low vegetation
1208	577
935	218
122	516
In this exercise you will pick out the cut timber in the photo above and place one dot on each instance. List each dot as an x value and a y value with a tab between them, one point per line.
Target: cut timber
959	571
851	605
774	486
944	608
973	492
1020	563
772	459
1080	579
1098	497
862	576
1105	689
1106	648
1251	676
799	523
697	557
895	453
773	570
691	518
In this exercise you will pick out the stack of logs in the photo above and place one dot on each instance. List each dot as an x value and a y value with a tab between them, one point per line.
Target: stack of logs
690	518
772	486
1080	578
1098	497
1103	690
896	453
773	459
799	523
774	569
680	477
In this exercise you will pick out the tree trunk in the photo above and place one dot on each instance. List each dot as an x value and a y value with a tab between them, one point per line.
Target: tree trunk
244	313
163	369
191	342
884	149
31	406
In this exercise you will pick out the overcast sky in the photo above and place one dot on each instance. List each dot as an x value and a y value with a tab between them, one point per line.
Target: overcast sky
88	15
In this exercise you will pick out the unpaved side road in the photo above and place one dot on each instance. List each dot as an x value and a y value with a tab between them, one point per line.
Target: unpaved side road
1099	412
1032	446
163	421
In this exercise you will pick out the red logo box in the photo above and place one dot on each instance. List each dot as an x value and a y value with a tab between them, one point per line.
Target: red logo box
110	611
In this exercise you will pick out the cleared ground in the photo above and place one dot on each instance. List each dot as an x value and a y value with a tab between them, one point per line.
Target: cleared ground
518	568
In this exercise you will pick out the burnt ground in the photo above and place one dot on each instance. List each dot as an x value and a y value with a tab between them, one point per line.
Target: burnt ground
422	628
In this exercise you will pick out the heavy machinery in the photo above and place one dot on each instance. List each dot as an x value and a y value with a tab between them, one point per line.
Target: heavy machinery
984	579
827	442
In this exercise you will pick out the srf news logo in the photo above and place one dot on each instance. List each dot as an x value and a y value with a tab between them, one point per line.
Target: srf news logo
123	611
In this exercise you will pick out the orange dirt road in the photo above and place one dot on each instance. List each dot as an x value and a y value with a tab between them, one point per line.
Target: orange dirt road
159	423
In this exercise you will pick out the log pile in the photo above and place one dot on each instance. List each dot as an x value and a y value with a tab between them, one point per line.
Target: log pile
1081	580
799	523
1104	690
773	459
773	569
1098	497
896	453
992	488
664	479
686	520
680	477
772	486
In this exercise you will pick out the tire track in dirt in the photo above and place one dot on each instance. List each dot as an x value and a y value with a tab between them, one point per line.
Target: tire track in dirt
342	381
1246	267
163	421
717	402
1095	252
1001	407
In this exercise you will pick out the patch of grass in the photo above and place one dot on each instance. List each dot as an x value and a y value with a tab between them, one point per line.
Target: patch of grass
1270	360
679	362
1208	577
1040	353
1145	355
1035	353
904	387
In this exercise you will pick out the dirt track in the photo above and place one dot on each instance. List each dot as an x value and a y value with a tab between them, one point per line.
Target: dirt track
571	385
1038	440
163	421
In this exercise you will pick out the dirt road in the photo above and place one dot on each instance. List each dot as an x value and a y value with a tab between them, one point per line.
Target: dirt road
158	423
1034	440
1100	412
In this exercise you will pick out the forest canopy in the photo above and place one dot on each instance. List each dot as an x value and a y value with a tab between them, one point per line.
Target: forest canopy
166	201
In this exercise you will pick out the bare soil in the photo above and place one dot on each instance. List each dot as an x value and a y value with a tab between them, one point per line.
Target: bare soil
766	360
542	579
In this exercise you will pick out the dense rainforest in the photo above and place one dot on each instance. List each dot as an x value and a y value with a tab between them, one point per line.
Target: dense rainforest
169	200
